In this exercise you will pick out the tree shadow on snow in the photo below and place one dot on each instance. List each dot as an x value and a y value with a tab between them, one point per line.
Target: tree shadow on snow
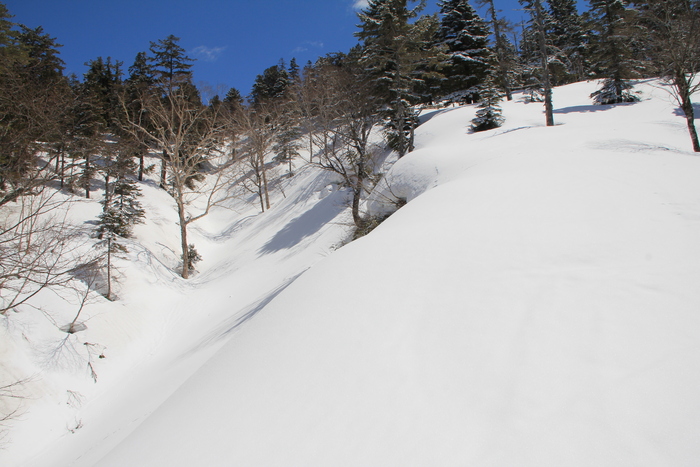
224	329
696	110
429	115
306	225
587	108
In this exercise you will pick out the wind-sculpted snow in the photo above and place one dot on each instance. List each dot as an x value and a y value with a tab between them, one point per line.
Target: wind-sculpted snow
535	303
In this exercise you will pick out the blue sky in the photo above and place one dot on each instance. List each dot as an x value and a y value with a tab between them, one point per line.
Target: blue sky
232	40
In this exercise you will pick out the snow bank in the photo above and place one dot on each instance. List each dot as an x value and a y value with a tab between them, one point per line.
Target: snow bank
535	304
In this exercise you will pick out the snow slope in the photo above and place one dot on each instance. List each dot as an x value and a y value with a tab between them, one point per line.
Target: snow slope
534	304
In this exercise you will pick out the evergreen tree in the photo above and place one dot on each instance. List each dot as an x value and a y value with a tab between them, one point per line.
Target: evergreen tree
504	50
272	84
288	133
489	115
33	101
612	54
538	23
137	87
102	85
293	71
529	69
121	204
568	35
465	37
121	211
43	64
172	69
399	55
95	115
170	63
233	99
11	53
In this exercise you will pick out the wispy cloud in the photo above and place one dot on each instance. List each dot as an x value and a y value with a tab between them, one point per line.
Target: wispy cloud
360	4
308	45
208	54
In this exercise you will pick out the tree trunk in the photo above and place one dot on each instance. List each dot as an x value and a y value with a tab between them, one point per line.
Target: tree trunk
264	180
183	237
683	91
356	196
502	70
109	268
691	129
108	195
163	171
62	170
141	165
86	179
311	146
548	107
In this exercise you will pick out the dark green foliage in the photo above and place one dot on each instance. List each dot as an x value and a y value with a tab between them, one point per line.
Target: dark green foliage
611	48
489	115
401	59
193	257
170	63
43	62
121	206
34	97
137	87
272	84
233	99
614	92
465	36
567	33
102	86
504	51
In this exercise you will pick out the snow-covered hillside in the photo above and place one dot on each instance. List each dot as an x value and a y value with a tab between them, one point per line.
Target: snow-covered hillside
534	304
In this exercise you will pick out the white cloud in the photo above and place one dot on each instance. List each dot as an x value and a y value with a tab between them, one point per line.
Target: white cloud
208	54
307	45
360	4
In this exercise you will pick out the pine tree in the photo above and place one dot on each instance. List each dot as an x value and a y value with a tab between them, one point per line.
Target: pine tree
272	84
293	71
172	68
95	115
11	53
465	36
489	115
567	33
529	69
140	83
399	56
233	99
503	49
170	63
612	55
538	23
121	211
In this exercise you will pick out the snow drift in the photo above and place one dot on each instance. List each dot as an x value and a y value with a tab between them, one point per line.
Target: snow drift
534	304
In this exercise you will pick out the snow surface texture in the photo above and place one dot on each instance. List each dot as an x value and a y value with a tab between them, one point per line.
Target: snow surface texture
535	303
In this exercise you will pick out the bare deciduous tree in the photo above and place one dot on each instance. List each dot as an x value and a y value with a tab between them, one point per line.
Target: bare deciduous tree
672	32
344	128
258	127
37	248
191	137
